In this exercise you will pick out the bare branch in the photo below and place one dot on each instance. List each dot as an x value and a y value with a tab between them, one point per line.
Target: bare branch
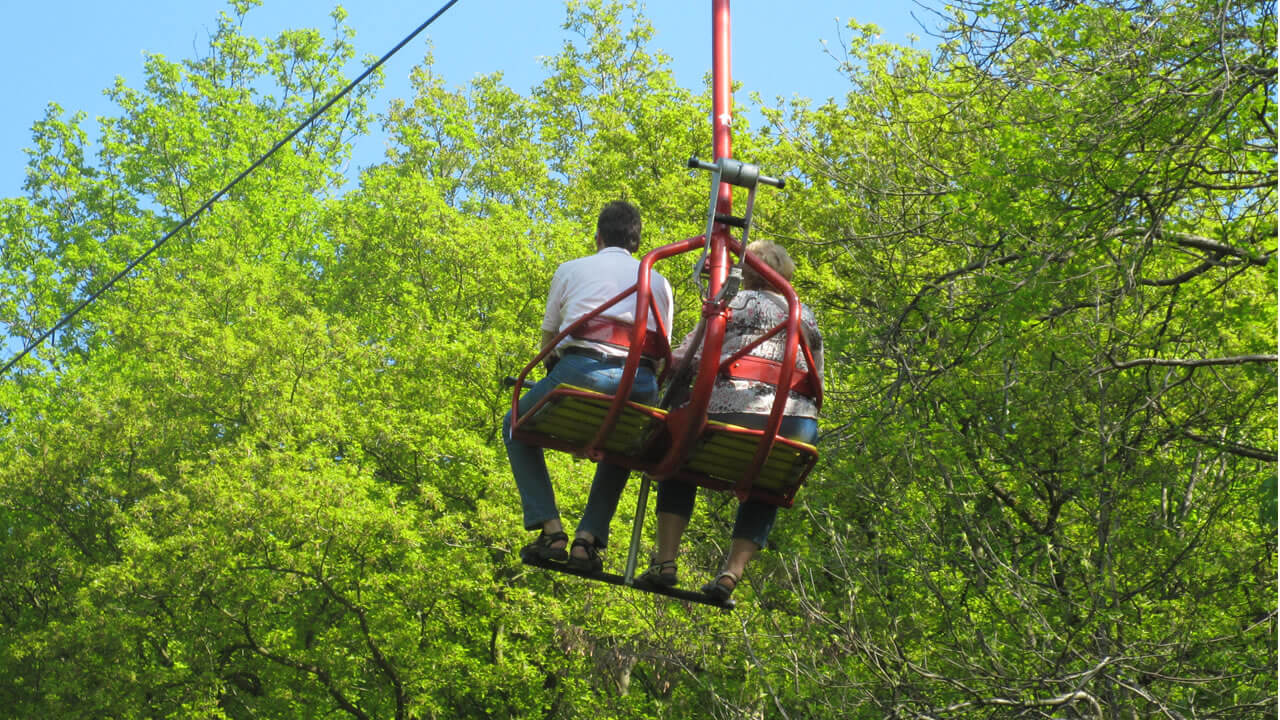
1184	277
1234	448
1198	242
1178	362
1064	699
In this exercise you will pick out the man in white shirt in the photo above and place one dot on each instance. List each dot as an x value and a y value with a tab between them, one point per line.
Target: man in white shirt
592	356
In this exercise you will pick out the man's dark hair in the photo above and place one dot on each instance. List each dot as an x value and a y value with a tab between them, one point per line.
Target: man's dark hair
619	226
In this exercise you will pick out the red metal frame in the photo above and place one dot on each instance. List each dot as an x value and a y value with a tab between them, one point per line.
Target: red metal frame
783	499
687	422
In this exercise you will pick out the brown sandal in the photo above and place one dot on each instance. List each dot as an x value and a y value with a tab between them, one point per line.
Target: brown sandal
717	590
591	563
541	548
660	573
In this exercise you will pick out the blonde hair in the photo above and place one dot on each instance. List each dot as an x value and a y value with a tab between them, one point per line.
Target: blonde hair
773	255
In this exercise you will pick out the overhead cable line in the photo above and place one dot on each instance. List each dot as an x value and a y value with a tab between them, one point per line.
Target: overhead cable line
218	195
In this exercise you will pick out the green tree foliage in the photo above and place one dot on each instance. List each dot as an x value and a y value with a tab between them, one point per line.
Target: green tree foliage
1057	239
262	477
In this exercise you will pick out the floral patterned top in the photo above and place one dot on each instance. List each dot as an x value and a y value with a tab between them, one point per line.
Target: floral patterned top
756	312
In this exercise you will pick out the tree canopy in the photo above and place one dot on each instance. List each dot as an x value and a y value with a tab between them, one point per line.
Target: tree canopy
262	476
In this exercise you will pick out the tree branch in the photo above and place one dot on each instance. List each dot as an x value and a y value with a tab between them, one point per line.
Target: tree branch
319	673
1198	242
1233	448
951	275
1177	362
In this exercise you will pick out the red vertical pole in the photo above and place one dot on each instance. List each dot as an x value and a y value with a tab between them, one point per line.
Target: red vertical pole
686	422
721	141
721	95
718	261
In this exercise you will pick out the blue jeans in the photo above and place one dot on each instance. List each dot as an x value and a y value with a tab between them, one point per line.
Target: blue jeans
755	519
529	465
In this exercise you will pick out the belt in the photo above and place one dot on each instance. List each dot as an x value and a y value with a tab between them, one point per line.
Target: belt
604	359
616	332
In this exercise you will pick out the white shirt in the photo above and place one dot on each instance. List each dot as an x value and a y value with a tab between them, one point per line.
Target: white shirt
582	285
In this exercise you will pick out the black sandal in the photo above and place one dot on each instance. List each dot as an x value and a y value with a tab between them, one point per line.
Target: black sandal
592	562
717	590
661	573
541	548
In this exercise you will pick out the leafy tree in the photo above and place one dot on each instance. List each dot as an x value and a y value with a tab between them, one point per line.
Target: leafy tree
263	478
1062	231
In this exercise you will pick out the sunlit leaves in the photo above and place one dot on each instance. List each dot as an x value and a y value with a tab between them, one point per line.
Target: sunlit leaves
263	478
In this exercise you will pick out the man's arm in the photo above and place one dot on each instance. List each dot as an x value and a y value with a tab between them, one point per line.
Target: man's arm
551	316
549	361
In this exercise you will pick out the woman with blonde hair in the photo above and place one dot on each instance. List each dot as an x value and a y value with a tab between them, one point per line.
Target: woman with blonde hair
756	310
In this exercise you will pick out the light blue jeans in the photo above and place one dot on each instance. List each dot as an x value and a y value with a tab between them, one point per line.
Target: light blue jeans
755	519
529	465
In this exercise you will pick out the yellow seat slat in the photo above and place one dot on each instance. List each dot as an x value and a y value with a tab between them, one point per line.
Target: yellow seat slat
576	419
722	452
744	454
728	455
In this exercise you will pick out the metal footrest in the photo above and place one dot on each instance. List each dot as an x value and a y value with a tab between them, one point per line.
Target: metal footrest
613	579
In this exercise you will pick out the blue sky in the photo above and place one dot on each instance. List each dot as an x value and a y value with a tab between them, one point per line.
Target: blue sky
69	51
